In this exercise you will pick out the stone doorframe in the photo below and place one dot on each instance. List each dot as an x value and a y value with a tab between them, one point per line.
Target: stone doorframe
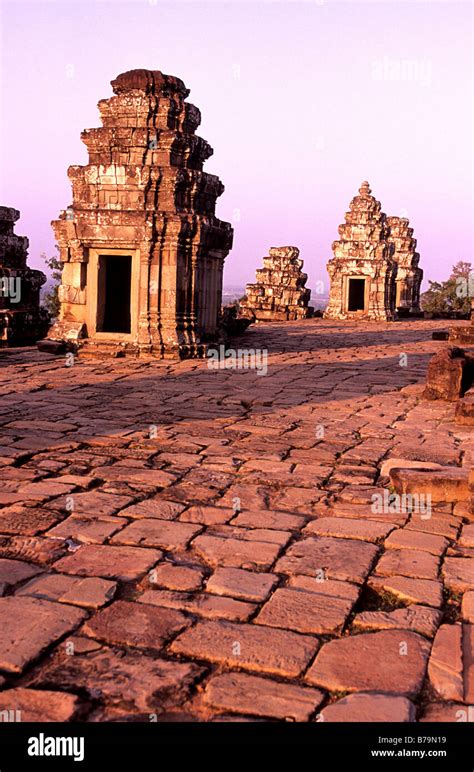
345	293
93	293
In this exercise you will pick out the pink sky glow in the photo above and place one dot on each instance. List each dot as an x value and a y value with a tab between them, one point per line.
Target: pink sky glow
301	101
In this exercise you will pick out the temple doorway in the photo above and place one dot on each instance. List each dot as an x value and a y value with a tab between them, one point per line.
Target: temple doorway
356	295
114	293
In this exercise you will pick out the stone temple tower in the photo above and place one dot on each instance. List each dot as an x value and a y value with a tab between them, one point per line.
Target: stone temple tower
362	271
22	320
141	247
409	276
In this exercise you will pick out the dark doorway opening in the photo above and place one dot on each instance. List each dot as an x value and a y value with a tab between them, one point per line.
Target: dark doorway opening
114	284
356	299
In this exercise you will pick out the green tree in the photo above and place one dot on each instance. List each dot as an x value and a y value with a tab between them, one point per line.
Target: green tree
51	299
452	295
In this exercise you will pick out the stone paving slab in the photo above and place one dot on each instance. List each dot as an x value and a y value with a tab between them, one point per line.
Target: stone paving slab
216	544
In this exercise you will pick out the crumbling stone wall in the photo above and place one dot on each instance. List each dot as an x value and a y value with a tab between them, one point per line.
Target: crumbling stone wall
279	293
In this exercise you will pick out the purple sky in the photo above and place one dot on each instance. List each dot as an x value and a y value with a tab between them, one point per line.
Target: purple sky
301	101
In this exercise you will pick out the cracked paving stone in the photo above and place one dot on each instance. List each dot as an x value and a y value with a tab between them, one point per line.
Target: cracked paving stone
92	503
14	571
247	585
427	592
445	668
87	529
132	681
331	587
267	519
250	534
467	536
389	661
39	705
135	624
344	559
347	528
418	619
305	612
160	508
210	606
45	489
32	548
126	563
468	660
236	553
154	478
458	574
32	625
207	515
442	525
89	592
27	521
362	707
249	646
411	563
416	540
256	696
169	535
467	606
176	577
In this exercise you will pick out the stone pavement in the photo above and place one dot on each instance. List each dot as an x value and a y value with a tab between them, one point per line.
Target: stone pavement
178	542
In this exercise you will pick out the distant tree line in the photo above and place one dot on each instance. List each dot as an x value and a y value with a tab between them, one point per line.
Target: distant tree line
453	295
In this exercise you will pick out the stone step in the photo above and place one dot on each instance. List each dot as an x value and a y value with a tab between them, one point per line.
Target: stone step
48	346
451	483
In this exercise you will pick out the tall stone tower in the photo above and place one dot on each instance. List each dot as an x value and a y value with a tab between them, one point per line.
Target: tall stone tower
362	272
141	247
22	320
409	276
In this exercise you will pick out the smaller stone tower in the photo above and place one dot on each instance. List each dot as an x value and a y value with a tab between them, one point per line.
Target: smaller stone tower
279	293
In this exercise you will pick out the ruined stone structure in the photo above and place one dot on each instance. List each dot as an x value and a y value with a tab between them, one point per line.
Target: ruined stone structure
279	293
374	270
141	247
409	276
465	333
362	271
22	320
